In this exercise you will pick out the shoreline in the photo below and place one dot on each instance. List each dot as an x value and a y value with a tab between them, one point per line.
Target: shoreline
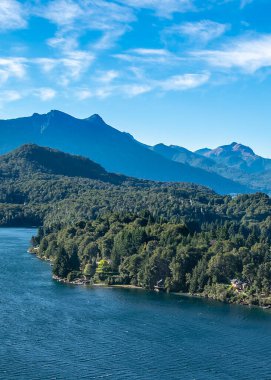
89	283
180	294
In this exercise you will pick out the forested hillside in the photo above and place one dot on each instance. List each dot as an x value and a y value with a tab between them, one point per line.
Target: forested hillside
101	227
142	250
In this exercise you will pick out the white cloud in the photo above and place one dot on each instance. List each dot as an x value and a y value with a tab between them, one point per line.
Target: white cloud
135	89
65	44
181	82
83	94
151	56
61	12
108	76
184	82
45	94
11	15
204	31
150	52
74	17
162	8
68	68
76	63
46	64
9	96
110	37
104	92
12	67
248	54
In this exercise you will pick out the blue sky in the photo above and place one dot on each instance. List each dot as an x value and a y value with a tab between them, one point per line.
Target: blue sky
186	72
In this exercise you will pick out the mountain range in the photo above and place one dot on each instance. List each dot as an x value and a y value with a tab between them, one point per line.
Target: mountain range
228	169
234	161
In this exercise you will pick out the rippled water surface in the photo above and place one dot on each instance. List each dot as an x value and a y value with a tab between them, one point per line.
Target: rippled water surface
54	331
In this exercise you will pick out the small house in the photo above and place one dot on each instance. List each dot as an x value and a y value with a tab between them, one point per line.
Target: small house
238	284
159	287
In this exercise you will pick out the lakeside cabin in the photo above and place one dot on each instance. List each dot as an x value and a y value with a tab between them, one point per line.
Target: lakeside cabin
159	287
238	285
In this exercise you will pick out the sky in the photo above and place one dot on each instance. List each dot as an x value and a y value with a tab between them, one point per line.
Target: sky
194	73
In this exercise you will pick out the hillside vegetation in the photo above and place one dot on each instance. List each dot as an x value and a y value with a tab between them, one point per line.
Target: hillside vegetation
98	226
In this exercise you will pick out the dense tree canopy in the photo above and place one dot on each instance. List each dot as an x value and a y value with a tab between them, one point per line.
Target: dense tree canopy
127	231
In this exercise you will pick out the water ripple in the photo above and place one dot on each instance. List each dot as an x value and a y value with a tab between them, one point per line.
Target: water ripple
52	331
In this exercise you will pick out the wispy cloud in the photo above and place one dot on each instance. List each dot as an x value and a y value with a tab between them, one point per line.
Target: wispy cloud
184	82
202	31
107	76
45	94
83	93
150	52
9	96
84	56
248	54
75	17
61	12
75	63
12	15
162	8
132	90
68	68
12	67
141	55
181	82
244	3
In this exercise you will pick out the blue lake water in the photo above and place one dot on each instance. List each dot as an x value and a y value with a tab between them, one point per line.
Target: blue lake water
55	331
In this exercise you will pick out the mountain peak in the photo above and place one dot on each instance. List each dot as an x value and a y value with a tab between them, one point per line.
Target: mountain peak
242	148
56	112
59	115
95	119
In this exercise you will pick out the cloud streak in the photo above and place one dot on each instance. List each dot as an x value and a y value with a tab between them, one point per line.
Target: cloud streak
248	54
184	82
12	15
45	94
203	31
12	68
87	51
162	8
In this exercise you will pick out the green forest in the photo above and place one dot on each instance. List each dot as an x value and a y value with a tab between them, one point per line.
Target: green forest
103	228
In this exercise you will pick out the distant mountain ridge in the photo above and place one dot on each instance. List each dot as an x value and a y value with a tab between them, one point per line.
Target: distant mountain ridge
180	154
234	161
117	152
238	156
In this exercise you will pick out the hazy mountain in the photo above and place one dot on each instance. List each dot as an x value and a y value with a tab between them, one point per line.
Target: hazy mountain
237	156
116	151
183	155
235	161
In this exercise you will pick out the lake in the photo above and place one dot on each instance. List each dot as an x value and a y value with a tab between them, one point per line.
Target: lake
50	330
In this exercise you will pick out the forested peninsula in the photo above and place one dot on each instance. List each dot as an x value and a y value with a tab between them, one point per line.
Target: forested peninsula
96	227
